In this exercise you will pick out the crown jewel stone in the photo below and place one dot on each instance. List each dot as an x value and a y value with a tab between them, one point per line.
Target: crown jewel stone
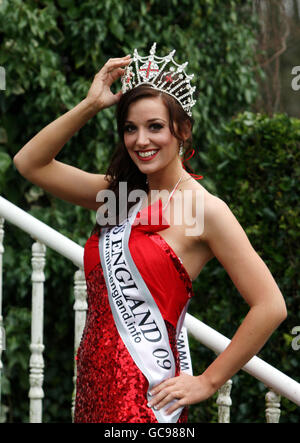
155	72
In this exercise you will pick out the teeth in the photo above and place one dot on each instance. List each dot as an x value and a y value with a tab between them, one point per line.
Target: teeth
146	154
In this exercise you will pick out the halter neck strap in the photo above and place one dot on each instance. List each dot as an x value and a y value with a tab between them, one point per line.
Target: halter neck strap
172	192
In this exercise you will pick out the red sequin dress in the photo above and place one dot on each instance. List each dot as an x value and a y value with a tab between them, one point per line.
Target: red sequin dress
110	387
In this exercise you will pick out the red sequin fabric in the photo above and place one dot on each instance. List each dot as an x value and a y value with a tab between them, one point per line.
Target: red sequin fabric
110	388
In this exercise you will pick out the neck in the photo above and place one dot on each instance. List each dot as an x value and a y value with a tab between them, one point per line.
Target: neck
167	178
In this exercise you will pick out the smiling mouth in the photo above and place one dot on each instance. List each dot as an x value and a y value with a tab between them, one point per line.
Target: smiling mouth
146	154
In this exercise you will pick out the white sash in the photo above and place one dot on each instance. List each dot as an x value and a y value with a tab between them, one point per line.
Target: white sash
136	315
183	344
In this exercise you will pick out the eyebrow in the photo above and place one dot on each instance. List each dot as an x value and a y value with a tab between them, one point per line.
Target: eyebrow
148	121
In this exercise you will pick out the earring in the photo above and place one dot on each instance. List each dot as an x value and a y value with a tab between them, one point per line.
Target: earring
181	149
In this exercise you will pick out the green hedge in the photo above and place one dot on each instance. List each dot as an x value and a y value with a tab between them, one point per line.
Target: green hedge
256	171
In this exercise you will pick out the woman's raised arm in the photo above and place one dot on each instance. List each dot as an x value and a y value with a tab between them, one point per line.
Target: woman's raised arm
36	160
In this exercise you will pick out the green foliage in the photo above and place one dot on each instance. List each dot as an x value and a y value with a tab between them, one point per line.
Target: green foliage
15	359
51	52
256	170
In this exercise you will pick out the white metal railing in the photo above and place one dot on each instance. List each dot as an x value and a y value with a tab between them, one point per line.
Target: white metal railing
277	382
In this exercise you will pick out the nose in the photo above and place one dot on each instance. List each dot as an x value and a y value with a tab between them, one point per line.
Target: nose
142	138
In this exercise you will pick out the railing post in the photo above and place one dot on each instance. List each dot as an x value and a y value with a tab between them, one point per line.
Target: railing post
224	402
36	363
2	331
80	308
272	407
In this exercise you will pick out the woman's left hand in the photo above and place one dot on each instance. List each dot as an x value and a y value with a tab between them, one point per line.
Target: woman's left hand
186	389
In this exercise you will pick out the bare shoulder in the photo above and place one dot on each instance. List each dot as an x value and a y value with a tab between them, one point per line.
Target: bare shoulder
213	205
214	208
218	217
223	233
215	212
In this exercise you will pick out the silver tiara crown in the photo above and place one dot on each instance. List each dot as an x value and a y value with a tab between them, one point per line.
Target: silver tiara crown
163	74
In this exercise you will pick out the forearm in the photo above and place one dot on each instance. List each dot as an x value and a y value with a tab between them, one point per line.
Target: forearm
45	145
249	338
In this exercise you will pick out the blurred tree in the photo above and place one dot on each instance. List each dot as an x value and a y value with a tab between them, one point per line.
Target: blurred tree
277	54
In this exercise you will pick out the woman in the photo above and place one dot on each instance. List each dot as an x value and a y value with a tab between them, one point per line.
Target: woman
115	381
